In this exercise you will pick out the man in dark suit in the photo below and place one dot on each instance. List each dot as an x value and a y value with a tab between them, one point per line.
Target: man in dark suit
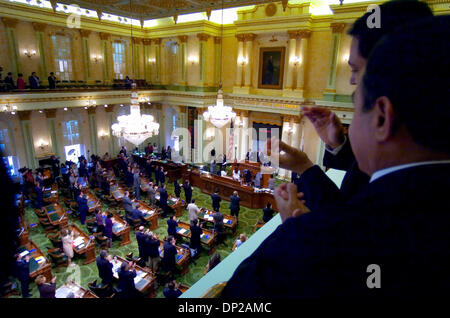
172	291
172	225
136	214
141	239
168	262
163	196
137	184
9	81
338	152
177	188
39	201
23	274
105	267
267	212
218	225
234	204
127	204
187	191
394	232
127	273
34	81
215	197
152	250
196	232
83	207
52	81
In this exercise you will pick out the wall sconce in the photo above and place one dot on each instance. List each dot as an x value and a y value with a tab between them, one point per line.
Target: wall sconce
6	108
346	57
42	144
96	58
210	133
152	60
144	99
192	60
296	61
242	60
102	134
29	53
90	103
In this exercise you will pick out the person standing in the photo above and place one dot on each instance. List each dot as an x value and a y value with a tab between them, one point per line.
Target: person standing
105	267
52	81
235	204
46	290
151	193
268	212
172	291
82	207
196	232
127	204
172	225
193	211
215	197
218	224
20	82
109	229
177	188
67	240
137	184
34	81
152	250
168	262
187	191
9	81
127	273
141	239
23	274
163	196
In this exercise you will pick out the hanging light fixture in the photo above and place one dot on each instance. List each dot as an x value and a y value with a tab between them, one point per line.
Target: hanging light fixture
219	115
135	128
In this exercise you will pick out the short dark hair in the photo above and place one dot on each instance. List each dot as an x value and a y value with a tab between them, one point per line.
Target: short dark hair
393	14
193	201
170	238
194	221
171	285
410	67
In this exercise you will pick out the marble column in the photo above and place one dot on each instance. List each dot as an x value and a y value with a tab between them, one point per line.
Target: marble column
50	114
93	130
107	58
27	133
136	57
10	27
240	56
199	127
157	69
147	65
330	90
248	53
291	59
237	135
304	38
39	28
112	139
159	117
203	38
217	59
245	134
86	55
183	59
285	134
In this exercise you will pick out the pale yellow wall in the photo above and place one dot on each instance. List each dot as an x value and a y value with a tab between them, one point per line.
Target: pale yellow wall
5	60
229	57
311	140
193	69
316	70
343	71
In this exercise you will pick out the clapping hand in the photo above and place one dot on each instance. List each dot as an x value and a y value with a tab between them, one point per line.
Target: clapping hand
327	125
289	157
289	201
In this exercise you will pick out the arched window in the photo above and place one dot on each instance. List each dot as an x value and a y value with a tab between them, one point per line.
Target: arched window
62	52
119	59
71	132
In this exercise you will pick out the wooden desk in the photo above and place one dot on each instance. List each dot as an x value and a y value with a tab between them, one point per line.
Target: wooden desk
86	247
208	237
121	228
50	194
182	257
73	290
23	231
56	215
229	221
117	192
144	280
254	167
183	288
226	186
109	163
174	170
42	268
151	214
93	202
174	203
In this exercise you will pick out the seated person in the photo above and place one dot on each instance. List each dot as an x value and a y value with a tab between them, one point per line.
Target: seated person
213	261
267	213
172	290
46	290
236	174
137	215
242	238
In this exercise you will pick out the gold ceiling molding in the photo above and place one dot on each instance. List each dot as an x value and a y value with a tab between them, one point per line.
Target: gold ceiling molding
137	41
157	41
292	34
109	109
10	22
249	37
85	33
217	40
147	41
104	36
304	34
183	38
271	9
240	37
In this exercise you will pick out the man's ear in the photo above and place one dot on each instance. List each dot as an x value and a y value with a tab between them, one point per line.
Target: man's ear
384	118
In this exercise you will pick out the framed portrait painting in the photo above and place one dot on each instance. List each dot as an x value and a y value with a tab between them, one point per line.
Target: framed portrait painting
271	67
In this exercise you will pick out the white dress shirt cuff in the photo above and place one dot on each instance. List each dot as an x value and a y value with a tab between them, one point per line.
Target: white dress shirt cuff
336	150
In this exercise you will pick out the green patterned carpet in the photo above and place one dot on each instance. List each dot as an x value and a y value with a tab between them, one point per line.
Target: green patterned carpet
87	273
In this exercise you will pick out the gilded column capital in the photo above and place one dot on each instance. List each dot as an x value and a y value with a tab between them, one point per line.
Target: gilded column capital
146	41
286	118
337	27
297	119
238	112
109	109
249	37
203	36
9	22
24	115
183	38
157	41
217	40
137	41
183	109
50	113
304	34
85	33
158	106
292	34
240	37
104	36
244	113
39	27
91	110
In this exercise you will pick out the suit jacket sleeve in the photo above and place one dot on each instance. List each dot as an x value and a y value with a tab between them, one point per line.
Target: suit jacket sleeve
342	160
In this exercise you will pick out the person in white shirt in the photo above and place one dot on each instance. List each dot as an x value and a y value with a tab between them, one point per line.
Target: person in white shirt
193	211
236	175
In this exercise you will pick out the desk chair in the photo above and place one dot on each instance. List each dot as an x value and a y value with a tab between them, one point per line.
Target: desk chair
55	238
101	240
58	258
258	225
48	227
129	257
40	213
102	291
9	289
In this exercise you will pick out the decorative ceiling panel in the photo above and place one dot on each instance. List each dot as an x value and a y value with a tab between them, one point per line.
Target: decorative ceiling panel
152	9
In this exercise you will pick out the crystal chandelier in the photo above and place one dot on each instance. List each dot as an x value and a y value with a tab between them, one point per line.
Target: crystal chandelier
219	115
135	128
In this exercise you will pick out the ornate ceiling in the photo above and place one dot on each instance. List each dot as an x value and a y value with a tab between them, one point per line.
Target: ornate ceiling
151	9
